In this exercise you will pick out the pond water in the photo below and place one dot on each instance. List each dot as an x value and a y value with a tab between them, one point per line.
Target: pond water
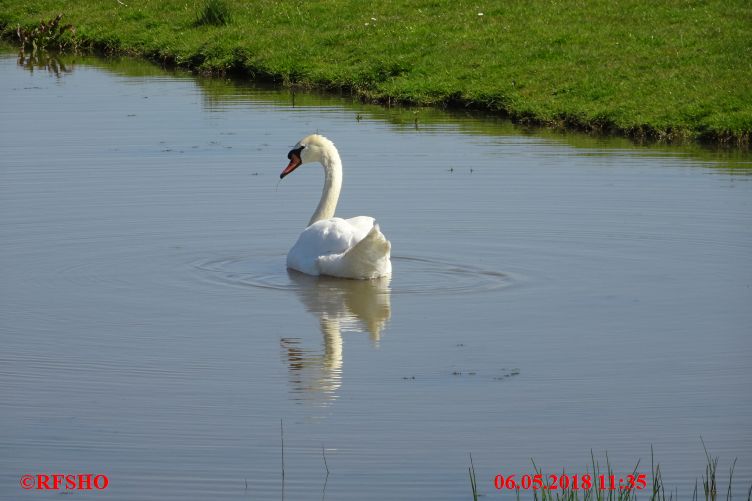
552	294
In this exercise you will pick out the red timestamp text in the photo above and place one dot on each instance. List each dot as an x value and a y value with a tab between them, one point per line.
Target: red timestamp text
571	482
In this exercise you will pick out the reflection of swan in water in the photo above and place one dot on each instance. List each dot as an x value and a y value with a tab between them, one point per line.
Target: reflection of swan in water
340	305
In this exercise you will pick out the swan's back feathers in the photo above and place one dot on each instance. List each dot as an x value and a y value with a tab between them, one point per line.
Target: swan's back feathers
369	258
347	248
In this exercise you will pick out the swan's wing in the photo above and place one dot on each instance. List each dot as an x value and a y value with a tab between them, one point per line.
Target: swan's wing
369	258
335	235
360	226
326	237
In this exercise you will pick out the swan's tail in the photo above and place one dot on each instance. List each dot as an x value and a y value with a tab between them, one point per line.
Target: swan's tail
369	258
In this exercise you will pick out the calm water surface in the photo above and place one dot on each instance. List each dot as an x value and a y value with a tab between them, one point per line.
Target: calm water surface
551	295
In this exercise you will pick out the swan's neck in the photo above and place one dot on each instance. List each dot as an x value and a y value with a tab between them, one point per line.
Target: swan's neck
332	185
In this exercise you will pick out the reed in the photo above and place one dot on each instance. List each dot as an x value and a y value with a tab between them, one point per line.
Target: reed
46	35
473	481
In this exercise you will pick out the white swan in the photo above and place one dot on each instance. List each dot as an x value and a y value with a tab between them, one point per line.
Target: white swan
347	248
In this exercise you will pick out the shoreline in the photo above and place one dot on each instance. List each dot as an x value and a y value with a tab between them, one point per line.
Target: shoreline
375	76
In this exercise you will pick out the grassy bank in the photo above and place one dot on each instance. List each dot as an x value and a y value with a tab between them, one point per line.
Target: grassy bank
664	70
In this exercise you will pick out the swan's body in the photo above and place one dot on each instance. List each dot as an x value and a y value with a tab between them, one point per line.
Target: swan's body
347	248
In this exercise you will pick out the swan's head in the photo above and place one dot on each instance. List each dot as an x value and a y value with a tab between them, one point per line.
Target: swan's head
311	148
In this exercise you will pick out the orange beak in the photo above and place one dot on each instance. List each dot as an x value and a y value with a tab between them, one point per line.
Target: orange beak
294	164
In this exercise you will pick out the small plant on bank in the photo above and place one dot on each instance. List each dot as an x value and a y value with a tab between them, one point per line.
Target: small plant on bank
214	13
47	35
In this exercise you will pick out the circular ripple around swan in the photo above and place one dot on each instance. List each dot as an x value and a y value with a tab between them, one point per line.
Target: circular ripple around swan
410	275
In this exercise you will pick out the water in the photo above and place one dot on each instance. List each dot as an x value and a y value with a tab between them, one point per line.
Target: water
552	294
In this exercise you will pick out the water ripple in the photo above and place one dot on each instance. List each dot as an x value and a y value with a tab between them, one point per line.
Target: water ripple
411	275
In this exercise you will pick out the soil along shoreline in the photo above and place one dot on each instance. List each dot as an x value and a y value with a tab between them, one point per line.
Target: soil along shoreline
647	70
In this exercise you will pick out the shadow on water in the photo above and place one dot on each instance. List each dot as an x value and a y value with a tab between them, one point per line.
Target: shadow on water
341	305
221	93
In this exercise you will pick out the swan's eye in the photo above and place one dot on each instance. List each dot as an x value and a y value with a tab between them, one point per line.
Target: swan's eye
295	151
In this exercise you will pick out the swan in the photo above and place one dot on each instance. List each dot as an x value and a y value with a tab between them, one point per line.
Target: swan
345	248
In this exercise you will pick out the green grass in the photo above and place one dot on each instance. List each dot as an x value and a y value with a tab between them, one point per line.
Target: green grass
214	12
665	70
